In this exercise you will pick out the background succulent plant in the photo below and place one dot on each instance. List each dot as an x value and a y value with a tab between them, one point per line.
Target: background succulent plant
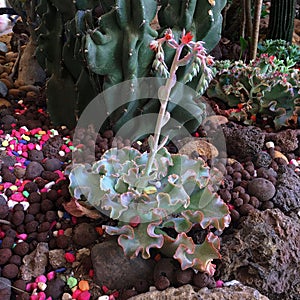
265	87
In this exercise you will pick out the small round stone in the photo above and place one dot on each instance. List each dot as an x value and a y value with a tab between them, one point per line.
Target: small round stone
262	189
5	255
10	271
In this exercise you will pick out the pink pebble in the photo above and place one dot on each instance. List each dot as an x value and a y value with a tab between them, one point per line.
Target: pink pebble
74	220
22	236
25	154
51	275
67	150
60	174
111	297
49	298
34	297
45	137
17	197
76	294
41	278
41	296
84	295
7	185
219	283
43	190
2	234
30	146
31	286
21	188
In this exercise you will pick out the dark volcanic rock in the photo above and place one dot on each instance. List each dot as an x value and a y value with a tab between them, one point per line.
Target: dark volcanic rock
265	254
33	170
55	288
114	269
84	234
287	196
243	141
286	140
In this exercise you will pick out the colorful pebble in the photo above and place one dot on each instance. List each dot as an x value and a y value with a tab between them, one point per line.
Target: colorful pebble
71	282
83	285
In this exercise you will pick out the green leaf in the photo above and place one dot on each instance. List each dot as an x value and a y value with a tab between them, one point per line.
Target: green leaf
139	239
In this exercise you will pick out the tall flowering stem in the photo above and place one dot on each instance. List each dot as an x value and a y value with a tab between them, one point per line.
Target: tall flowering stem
198	60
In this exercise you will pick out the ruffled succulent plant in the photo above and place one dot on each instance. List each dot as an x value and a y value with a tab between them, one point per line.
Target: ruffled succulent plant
154	193
176	194
266	87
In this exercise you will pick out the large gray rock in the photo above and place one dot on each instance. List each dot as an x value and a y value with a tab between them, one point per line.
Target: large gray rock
34	264
264	253
5	289
234	292
116	271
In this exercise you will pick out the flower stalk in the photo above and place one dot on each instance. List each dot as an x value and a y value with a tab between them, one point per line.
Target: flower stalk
198	60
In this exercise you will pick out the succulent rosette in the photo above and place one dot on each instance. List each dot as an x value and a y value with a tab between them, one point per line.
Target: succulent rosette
176	194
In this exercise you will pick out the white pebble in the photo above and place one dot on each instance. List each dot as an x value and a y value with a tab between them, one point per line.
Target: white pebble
25	204
24	128
270	145
60	214
42	286
62	153
49	184
230	283
55	233
66	296
294	162
11	203
105	297
38	147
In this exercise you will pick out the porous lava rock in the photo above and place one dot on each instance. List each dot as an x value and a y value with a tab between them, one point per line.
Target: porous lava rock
234	292
115	270
286	140
243	142
264	253
287	196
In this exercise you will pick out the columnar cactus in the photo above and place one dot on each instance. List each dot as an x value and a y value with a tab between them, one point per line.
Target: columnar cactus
282	15
57	53
87	46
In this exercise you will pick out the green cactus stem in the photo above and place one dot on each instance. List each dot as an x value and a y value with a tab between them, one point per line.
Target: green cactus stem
281	24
